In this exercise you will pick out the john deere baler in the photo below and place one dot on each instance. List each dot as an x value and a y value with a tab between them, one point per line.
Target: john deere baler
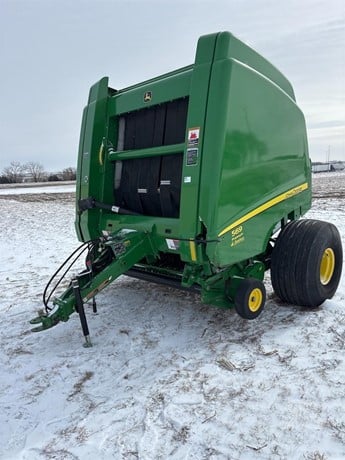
197	179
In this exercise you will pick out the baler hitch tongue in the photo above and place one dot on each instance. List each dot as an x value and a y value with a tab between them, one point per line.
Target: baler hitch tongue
127	248
45	321
51	319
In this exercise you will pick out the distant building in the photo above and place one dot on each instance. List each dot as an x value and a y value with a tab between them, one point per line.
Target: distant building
27	177
320	167
337	166
331	166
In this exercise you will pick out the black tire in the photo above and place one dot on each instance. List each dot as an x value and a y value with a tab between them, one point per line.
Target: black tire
250	298
306	262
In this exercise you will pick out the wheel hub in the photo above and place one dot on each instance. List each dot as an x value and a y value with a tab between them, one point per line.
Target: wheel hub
327	266
255	300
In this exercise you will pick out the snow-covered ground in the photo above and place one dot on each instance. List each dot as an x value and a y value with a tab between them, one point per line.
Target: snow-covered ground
168	377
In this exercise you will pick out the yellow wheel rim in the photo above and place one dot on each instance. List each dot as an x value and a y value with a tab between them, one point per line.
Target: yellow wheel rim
255	300
327	266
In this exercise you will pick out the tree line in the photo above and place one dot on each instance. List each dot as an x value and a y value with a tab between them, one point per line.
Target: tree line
17	173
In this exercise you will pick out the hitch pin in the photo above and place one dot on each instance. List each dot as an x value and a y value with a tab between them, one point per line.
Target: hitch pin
80	309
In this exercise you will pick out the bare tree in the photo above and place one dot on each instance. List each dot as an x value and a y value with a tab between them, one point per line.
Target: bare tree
14	173
69	173
4	180
36	171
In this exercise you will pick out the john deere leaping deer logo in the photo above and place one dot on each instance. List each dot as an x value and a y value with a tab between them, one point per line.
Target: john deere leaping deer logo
147	96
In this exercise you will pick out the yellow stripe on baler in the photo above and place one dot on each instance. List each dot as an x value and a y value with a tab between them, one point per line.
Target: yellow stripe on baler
100	154
278	199
192	250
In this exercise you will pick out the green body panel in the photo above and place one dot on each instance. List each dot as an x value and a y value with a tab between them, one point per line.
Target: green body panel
90	174
257	136
249	176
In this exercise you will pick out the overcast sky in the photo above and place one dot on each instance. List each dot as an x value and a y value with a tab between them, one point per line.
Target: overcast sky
53	51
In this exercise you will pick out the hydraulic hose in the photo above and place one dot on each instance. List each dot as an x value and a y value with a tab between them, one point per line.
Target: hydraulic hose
87	245
90	203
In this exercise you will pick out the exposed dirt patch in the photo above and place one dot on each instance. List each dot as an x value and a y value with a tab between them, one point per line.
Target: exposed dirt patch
330	185
40	197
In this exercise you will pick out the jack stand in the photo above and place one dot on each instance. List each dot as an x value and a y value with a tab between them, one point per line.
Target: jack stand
80	309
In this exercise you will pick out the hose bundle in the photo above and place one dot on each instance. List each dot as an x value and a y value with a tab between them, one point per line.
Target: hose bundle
76	254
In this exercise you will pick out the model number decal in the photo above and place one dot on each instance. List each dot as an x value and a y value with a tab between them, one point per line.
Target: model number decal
237	230
237	236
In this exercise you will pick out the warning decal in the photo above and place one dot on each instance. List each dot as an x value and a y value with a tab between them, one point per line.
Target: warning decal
173	244
193	136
